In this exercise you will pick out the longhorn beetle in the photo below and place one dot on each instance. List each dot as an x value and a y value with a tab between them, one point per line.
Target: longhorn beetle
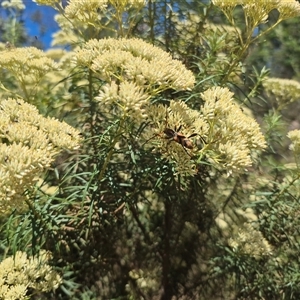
176	136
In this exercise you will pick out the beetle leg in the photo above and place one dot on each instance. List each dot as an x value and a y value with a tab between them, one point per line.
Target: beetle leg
201	137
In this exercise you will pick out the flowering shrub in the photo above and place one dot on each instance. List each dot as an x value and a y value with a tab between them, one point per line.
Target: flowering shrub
139	158
20	273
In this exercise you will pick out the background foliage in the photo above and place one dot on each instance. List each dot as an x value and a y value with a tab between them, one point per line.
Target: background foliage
118	219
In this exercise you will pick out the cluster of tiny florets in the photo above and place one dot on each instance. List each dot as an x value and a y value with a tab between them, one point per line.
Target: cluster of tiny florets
137	61
146	280
28	144
132	71
66	34
288	9
13	4
257	11
20	273
47	2
28	65
85	11
285	91
220	131
249	241
294	136
232	134
91	12
223	4
124	99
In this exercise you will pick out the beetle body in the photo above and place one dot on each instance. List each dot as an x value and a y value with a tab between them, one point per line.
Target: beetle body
176	136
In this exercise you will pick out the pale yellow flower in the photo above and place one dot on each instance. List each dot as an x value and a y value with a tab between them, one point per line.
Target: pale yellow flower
16	4
85	11
232	134
249	241
124	99
288	9
257	11
28	65
17	113
294	136
47	2
56	53
66	35
17	291
28	144
19	273
124	5
225	3
234	158
137	61
221	133
146	280
285	91
91	12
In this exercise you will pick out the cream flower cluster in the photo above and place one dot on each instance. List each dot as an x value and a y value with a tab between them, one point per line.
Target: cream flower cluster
47	2
288	9
284	90
28	65
232	134
133	71
294	136
257	10
220	131
128	98
249	241
66	35
86	11
15	4
135	60
19	273
28	145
